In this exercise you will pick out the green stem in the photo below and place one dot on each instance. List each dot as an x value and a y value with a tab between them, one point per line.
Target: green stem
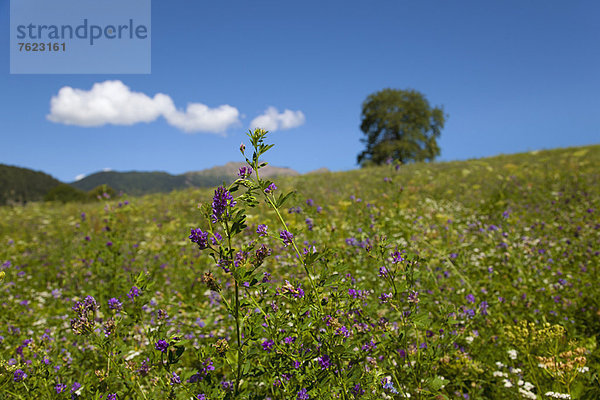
312	282
239	340
238	376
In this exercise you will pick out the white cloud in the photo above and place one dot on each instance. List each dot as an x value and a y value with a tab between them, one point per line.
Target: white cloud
272	120
107	169
79	177
201	118
112	102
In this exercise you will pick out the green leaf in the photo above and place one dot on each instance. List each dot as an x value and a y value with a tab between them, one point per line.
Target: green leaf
282	199
339	349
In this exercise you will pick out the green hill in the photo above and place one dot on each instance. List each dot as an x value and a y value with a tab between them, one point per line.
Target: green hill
463	279
21	185
139	183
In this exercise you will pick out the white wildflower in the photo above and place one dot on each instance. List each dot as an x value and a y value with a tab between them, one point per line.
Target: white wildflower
558	395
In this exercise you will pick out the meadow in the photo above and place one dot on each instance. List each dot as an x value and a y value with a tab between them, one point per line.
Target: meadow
460	280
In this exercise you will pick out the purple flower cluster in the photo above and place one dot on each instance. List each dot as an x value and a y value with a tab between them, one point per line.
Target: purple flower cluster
267	345
286	236
60	387
115	304
175	379
303	395
270	188
357	293
76	386
413	297
162	346
262	230
133	293
19	375
199	237
397	257
385	297
245	172
207	366
357	391
221	200
309	224
383	272
85	315
324	361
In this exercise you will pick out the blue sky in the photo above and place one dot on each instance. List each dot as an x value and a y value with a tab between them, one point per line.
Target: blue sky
511	75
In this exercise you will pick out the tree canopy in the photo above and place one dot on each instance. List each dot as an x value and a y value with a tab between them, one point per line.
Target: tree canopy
401	125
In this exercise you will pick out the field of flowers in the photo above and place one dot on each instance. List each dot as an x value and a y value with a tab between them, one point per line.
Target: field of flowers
461	280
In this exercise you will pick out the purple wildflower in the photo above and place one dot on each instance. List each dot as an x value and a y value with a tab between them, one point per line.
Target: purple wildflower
224	264
76	386
144	367
302	395
245	172
483	306
324	361
385	297
286	236
470	298
310	202
383	272
267	345
309	224
262	230
111	396
133	293
199	237
289	340
175	379
270	188
60	387
266	277
201	396
221	200
19	375
413	297
115	304
397	257
357	391
369	346
343	331
161	345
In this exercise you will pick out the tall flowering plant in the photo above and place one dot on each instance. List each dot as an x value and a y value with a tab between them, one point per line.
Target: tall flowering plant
241	260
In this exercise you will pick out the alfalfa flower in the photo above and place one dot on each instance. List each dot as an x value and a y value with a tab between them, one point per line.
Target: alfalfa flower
270	188
286	236
221	200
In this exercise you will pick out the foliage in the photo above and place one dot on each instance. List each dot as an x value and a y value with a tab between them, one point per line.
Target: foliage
457	280
400	125
65	193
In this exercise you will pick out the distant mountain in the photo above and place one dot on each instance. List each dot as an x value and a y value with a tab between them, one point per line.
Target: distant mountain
133	182
230	170
140	183
20	185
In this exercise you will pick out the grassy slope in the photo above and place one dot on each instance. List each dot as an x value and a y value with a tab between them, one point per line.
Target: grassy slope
446	212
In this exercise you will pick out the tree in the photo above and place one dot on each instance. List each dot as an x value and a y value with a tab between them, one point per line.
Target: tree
401	125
